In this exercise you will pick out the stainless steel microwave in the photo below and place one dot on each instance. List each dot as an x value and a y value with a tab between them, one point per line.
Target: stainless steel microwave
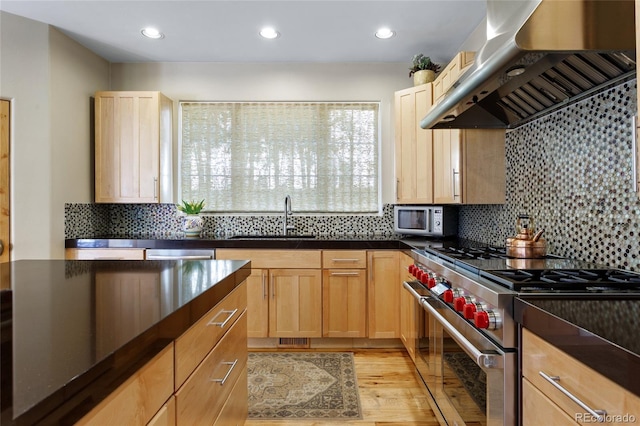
430	221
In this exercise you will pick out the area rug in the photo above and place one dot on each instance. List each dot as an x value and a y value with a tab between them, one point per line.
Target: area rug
303	385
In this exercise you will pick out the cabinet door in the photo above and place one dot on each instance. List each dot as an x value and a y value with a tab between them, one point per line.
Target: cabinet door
408	309
258	303
295	303
127	155
384	295
447	173
344	299
414	152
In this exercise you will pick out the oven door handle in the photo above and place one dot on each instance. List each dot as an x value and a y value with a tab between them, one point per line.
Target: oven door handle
485	359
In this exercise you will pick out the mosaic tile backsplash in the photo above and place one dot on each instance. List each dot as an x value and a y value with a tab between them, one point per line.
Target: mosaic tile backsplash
571	172
163	221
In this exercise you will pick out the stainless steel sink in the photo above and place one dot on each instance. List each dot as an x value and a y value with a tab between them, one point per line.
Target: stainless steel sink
272	237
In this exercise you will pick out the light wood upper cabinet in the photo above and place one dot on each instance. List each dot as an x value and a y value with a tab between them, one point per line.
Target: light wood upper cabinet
450	74
131	129
413	146
469	166
383	294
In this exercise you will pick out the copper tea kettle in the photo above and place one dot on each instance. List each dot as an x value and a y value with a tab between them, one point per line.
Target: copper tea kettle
527	244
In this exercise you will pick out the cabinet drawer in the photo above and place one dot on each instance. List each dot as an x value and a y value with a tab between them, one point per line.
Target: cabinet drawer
104	254
344	259
537	409
265	259
201	398
167	414
195	343
592	388
235	411
138	399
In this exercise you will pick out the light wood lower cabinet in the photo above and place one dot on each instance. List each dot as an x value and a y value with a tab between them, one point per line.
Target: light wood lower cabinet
258	303
408	310
383	294
295	308
200	400
167	414
138	399
234	412
586	384
344	299
104	254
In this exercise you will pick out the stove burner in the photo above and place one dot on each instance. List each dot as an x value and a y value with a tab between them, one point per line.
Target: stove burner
566	279
470	253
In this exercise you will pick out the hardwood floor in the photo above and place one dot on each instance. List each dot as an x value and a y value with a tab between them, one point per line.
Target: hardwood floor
390	393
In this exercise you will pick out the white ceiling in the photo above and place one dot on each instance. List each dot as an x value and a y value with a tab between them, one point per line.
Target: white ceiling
227	31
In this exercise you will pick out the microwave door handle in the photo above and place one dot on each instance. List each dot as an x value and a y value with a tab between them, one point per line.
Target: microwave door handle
482	359
430	221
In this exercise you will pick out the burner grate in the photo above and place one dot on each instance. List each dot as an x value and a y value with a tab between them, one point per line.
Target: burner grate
565	279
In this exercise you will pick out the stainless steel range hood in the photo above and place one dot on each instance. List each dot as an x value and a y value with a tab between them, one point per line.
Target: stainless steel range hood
564	50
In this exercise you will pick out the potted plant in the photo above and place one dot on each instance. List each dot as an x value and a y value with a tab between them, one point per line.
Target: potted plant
423	69
193	222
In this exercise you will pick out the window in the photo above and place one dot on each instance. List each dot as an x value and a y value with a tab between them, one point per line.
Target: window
246	157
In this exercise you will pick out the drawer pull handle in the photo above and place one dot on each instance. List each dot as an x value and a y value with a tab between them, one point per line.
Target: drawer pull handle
223	323
345	260
226	376
346	274
598	414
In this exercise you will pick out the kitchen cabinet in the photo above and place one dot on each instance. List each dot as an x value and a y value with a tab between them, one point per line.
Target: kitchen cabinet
413	146
344	293
293	283
469	166
192	379
383	294
295	307
139	398
408	309
450	74
636	145
541	398
133	132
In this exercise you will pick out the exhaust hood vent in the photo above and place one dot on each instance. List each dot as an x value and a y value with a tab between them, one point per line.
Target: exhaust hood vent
541	65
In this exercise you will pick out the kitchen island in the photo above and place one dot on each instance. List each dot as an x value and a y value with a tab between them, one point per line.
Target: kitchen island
73	332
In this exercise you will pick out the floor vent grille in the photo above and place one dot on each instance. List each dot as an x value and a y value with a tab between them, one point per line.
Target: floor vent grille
294	342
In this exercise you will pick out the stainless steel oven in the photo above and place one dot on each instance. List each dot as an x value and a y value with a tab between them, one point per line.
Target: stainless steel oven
472	380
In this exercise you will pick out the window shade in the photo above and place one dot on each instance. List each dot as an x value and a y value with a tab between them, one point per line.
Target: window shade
246	157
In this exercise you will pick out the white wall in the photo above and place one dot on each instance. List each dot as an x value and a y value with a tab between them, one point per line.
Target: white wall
49	79
278	82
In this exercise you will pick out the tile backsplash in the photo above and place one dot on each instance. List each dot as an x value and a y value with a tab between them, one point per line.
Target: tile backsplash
572	172
163	221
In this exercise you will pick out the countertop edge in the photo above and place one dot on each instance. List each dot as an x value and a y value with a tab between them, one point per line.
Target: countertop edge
605	357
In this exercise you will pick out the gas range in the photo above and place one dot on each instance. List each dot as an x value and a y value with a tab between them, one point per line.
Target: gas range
480	282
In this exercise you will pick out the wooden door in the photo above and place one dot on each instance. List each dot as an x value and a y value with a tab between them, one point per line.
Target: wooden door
447	173
384	295
344	303
258	303
295	303
5	186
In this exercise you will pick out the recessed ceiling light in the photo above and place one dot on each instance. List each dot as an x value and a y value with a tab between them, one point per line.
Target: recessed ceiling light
151	33
385	33
269	33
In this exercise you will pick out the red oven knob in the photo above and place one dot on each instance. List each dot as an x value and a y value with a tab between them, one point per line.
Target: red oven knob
458	303
432	280
424	277
468	310
447	296
481	319
412	269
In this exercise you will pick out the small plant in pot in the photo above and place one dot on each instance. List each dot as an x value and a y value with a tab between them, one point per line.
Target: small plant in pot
193	222
423	70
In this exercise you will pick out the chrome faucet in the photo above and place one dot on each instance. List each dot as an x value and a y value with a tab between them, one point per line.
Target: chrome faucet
287	212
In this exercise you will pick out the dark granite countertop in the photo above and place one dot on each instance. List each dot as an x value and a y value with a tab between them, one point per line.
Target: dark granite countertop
599	332
328	242
67	335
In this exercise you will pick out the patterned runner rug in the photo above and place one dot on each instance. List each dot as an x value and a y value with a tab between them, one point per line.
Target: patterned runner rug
303	385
